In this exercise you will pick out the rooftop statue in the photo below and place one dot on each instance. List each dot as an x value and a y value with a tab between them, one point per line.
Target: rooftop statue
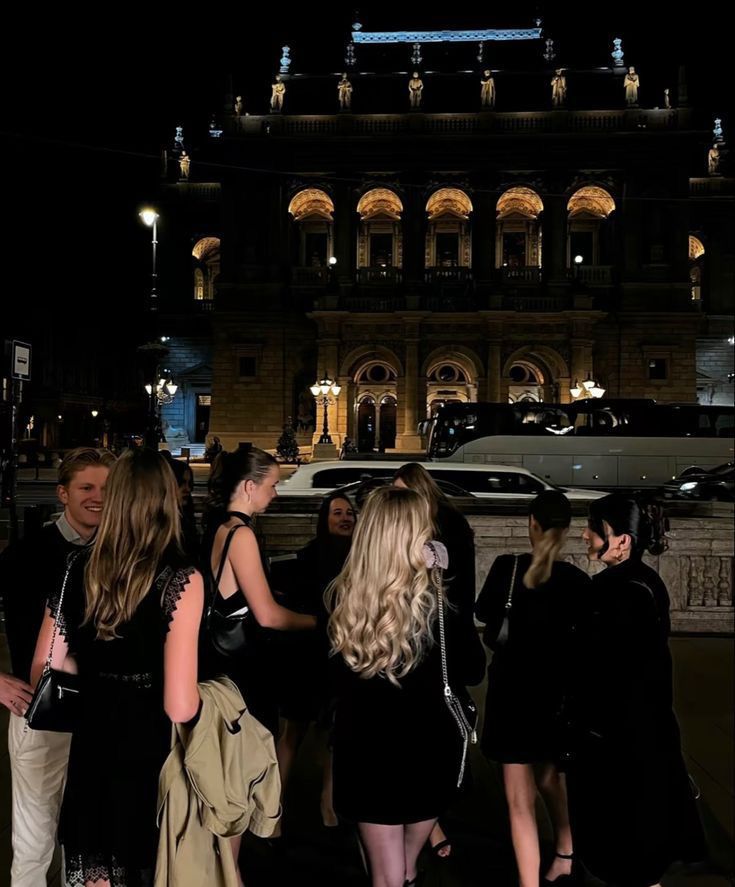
278	93
631	84
713	160
238	106
415	88
667	98
185	167
487	90
344	93
558	88
179	139
717	131
549	52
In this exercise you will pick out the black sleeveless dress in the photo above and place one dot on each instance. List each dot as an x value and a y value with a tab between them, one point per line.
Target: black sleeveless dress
108	818
251	669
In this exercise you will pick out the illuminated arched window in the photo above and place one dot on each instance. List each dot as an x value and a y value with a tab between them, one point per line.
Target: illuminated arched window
588	209
518	232
696	261
379	239
448	242
313	210
206	254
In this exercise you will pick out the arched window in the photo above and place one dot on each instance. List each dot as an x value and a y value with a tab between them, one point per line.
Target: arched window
206	254
313	211
379	239
588	210
448	242
518	237
696	261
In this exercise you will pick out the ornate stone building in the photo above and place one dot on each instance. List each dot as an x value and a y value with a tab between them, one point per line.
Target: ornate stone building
453	250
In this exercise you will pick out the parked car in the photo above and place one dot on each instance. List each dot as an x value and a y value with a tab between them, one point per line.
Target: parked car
704	484
482	481
452	491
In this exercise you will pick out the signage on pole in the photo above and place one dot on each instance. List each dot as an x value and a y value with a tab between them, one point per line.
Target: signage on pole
20	361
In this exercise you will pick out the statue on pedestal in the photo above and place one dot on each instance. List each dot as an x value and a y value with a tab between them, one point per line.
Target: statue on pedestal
667	99
184	166
631	83
415	88
558	88
278	93
713	160
238	106
344	93
487	90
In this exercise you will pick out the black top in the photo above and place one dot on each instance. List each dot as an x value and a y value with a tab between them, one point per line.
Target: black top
30	571
531	677
629	767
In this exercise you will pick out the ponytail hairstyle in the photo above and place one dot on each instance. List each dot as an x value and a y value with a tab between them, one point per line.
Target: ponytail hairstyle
553	513
228	470
642	519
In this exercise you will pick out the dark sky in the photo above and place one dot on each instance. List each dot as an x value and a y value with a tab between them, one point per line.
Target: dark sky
88	103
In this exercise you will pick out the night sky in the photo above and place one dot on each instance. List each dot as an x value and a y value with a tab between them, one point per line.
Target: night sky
85	118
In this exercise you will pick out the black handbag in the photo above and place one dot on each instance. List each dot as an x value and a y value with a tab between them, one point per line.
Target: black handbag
461	705
502	639
229	633
56	701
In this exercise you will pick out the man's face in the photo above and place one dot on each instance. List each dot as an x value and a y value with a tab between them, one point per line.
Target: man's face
82	499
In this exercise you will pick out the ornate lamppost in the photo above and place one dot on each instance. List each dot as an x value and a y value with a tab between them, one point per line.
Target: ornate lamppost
325	391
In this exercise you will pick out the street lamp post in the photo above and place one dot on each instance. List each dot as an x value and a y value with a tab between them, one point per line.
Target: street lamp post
150	218
154	350
325	392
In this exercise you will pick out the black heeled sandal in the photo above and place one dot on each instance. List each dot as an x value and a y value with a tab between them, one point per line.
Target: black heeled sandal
562	880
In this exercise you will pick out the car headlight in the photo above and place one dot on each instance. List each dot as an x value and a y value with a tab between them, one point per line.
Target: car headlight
689	485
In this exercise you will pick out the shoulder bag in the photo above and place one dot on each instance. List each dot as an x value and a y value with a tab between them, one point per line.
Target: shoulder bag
55	703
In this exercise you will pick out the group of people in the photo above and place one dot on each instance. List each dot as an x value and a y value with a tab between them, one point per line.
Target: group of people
369	633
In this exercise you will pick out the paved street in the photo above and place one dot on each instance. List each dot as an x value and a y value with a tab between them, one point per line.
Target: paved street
311	856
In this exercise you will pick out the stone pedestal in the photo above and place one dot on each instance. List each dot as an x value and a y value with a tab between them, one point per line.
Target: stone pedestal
324	452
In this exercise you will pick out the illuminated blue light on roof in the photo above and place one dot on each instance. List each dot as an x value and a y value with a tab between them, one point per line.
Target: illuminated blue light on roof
446	36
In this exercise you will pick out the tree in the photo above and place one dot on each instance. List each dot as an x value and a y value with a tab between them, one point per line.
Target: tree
288	447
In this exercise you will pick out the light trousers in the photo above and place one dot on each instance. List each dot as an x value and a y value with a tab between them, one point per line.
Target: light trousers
38	762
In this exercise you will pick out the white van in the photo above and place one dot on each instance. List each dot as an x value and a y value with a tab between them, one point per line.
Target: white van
482	481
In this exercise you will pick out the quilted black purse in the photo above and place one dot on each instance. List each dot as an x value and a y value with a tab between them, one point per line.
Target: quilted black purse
56	701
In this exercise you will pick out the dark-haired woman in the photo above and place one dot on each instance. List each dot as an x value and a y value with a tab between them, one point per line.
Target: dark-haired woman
303	663
242	485
632	809
529	678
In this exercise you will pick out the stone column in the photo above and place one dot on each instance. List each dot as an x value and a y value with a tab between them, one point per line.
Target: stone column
410	440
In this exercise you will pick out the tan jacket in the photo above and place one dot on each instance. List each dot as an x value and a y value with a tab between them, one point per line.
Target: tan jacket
220	779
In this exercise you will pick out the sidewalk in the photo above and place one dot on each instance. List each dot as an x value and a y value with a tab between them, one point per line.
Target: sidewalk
312	856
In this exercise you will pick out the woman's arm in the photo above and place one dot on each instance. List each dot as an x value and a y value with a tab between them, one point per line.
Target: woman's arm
180	653
61	659
244	558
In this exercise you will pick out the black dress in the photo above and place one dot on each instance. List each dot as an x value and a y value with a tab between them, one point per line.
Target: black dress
397	751
251	669
630	802
302	656
529	677
108	817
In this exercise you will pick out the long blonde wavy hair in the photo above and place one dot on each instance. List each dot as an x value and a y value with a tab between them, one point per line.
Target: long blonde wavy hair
140	520
383	604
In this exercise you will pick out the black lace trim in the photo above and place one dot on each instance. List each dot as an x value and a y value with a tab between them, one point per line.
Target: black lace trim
175	582
82	869
53	604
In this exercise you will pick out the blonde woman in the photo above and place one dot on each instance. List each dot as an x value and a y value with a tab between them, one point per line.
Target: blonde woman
529	680
129	623
397	750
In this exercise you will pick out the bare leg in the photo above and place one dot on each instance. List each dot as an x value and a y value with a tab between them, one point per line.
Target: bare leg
287	747
386	852
437	836
520	791
553	788
235	847
416	835
329	817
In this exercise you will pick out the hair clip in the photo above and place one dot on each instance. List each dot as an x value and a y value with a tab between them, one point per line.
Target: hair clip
436	555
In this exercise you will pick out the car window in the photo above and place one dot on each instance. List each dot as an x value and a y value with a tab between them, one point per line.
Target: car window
500	482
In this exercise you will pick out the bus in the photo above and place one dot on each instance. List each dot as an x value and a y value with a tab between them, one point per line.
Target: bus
596	443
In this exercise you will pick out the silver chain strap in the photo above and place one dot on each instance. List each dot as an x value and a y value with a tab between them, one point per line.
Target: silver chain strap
466	730
509	601
69	564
